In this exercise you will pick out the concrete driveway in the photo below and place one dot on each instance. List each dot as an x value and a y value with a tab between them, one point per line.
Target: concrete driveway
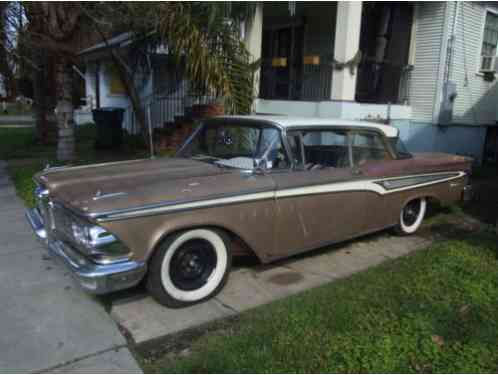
253	285
46	322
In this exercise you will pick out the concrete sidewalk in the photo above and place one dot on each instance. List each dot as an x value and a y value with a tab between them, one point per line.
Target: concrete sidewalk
46	322
254	285
26	120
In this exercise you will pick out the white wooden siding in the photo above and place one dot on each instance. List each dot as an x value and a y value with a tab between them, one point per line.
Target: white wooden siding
477	99
429	28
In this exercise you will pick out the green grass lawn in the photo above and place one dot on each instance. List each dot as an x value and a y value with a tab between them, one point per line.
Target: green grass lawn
434	311
18	143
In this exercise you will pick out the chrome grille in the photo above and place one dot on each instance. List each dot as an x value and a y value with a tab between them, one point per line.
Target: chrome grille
62	220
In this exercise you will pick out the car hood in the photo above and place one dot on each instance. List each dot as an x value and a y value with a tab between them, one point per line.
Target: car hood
114	186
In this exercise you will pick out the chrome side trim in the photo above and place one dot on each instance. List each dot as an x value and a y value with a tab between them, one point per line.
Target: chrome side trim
378	186
168	208
76	167
390	184
99	195
374	185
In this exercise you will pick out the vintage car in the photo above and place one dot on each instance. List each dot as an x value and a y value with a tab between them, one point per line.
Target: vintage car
272	186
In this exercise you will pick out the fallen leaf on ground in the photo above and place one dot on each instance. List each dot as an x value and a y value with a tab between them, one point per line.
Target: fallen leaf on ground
438	340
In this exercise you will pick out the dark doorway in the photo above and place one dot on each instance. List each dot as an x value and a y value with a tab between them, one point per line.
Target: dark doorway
282	65
385	45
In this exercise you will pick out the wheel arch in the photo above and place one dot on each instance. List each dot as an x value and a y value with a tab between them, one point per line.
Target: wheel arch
431	198
239	245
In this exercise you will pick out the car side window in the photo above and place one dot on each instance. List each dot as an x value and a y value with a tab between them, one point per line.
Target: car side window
325	149
271	143
367	146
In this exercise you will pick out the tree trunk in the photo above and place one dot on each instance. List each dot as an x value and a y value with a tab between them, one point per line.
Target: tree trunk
64	112
40	98
131	90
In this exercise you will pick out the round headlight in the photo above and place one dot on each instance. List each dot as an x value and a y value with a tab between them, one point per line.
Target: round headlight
80	233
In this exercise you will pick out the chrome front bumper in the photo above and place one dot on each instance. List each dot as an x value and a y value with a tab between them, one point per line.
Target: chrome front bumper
94	278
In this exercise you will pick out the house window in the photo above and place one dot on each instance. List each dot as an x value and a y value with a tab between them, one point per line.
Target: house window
116	86
489	42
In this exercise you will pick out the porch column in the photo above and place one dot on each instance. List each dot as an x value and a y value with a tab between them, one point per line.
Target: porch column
346	44
253	39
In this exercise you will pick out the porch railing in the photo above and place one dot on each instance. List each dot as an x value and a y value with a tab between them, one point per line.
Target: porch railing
310	82
376	83
164	107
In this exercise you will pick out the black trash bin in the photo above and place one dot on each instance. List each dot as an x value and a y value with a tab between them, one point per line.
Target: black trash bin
109	131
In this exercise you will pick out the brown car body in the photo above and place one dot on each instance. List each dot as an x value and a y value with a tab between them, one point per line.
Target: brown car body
273	213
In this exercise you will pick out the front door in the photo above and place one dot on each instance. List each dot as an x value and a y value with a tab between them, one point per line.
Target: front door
282	51
316	202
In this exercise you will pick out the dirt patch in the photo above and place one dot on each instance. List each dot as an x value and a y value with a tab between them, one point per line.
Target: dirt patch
286	278
180	344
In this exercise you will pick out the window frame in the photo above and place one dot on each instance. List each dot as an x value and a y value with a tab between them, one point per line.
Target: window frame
350	132
479	56
383	140
224	121
113	79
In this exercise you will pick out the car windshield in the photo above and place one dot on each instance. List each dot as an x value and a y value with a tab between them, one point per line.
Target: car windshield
235	145
400	148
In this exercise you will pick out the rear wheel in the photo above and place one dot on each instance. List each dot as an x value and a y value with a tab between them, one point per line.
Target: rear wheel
190	267
411	216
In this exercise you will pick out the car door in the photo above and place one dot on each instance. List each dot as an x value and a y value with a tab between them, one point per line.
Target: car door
315	201
369	151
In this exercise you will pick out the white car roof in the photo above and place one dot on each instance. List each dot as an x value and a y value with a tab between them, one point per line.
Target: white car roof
289	122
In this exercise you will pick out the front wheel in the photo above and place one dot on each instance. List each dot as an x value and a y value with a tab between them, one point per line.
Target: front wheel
411	216
190	267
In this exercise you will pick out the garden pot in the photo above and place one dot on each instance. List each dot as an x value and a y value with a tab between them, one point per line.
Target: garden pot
203	111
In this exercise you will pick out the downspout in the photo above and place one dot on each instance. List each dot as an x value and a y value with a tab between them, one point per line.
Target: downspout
441	68
97	85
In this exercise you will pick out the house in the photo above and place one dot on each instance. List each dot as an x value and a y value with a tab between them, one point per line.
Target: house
426	68
158	79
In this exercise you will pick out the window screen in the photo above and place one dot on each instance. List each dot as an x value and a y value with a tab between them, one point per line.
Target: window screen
490	37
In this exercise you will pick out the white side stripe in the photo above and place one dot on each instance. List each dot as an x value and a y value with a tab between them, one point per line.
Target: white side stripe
190	205
362	185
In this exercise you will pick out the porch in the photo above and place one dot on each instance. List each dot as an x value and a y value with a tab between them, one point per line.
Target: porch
303	45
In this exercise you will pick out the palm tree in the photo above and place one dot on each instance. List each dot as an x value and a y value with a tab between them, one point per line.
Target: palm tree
204	36
208	34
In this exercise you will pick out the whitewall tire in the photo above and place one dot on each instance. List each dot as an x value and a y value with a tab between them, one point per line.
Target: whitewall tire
411	216
189	267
